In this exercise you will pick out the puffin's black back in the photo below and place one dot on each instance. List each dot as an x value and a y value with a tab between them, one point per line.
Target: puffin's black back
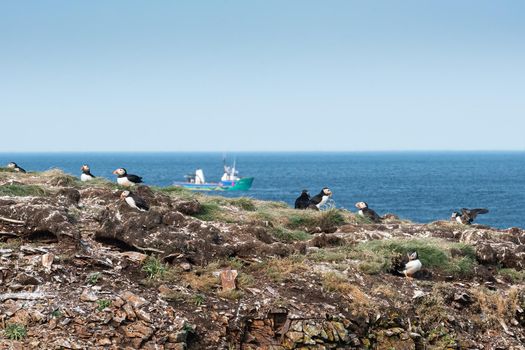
139	201
302	201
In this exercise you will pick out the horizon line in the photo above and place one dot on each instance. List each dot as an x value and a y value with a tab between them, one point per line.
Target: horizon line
283	151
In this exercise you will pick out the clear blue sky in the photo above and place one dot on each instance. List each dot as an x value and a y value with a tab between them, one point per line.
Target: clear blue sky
262	75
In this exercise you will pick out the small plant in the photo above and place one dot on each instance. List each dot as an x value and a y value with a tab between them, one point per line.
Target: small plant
188	328
56	313
93	278
15	331
245	280
103	303
198	299
154	267
235	263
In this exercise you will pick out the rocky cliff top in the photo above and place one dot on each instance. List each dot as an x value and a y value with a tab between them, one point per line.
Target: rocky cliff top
82	269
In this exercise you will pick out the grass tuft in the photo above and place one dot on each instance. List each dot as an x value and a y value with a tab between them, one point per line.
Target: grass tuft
154	267
335	282
512	275
175	191
16	190
103	303
209	212
281	269
233	294
198	299
15	331
93	278
57	177
286	235
243	203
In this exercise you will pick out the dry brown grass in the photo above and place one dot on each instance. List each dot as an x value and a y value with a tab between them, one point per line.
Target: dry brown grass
203	282
431	309
280	269
334	282
386	291
496	306
233	294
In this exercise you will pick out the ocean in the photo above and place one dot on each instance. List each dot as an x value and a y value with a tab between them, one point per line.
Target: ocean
420	186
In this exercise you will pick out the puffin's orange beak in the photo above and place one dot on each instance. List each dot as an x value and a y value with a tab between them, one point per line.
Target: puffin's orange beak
115	172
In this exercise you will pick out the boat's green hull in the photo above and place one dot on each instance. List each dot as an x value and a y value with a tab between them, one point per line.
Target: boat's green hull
242	184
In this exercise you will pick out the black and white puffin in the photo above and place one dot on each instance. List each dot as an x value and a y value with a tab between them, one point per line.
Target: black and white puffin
86	173
320	199
303	200
134	201
467	216
15	167
125	179
412	266
366	212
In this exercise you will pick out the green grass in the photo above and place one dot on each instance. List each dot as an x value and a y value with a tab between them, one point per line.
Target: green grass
175	191
286	235
310	219
235	263
243	203
513	275
23	191
154	267
15	331
209	212
103	303
198	299
93	278
376	256
328	255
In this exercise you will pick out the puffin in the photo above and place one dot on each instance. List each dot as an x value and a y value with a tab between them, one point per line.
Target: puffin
134	201
86	173
15	167
303	200
320	199
366	212
412	266
125	179
467	216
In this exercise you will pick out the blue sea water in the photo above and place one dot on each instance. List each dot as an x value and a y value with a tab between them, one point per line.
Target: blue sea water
419	186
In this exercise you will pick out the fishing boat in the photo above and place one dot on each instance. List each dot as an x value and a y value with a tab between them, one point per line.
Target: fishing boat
230	181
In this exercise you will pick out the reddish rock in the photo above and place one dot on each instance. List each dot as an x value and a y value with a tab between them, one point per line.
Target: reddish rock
228	279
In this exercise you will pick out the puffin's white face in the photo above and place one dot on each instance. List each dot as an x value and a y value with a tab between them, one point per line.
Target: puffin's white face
11	165
124	194
327	192
120	171
361	205
84	168
412	256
